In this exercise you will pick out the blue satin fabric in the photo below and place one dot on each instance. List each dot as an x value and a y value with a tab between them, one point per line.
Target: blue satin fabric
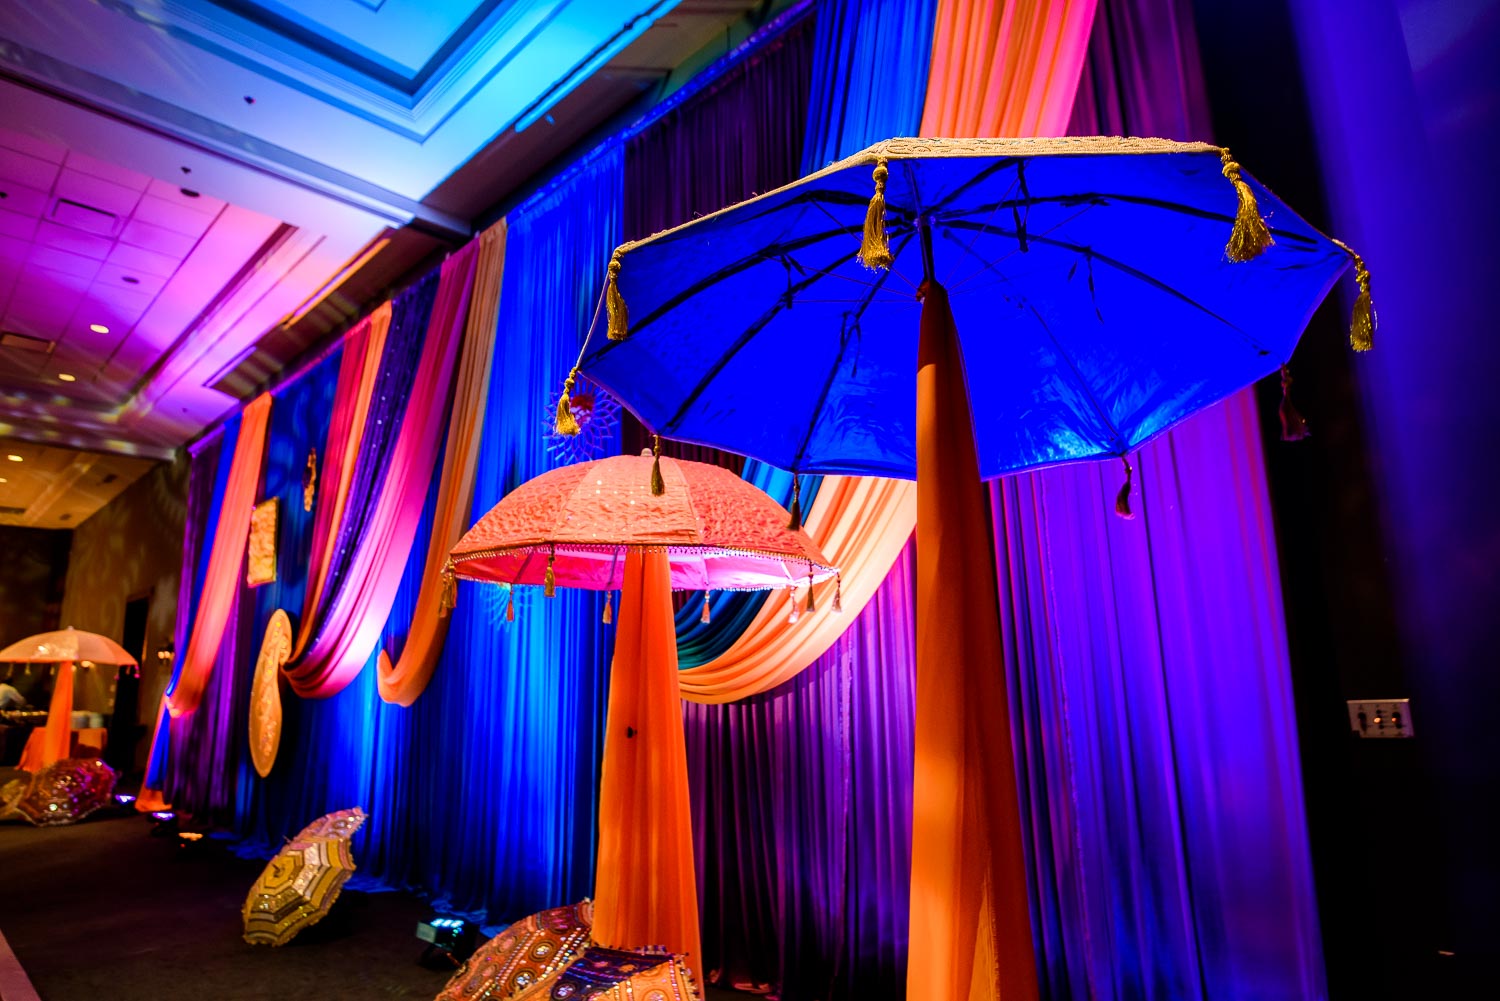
1093	300
482	793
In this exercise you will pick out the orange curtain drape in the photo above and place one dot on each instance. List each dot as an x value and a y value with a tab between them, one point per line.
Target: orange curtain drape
52	742
645	892
406	679
221	583
970	918
1005	67
226	561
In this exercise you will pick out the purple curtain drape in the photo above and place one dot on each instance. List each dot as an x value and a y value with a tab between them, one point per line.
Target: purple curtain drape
1148	664
802	815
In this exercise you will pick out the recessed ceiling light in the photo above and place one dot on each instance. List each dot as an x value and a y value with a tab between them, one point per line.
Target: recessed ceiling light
13	457
188	192
65	377
3	480
98	328
130	280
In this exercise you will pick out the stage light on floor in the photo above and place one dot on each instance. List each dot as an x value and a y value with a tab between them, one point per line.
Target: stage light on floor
124	799
451	939
163	816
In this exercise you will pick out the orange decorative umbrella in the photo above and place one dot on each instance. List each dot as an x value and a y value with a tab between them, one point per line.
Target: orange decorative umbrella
64	792
65	647
297	889
601	525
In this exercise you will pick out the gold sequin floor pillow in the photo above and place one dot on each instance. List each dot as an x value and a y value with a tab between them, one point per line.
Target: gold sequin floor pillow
527	952
617	975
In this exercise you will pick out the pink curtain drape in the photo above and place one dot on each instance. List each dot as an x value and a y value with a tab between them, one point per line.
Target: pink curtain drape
351	627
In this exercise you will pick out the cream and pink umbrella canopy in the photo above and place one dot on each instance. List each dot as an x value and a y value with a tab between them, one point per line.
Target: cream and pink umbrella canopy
65	647
600	526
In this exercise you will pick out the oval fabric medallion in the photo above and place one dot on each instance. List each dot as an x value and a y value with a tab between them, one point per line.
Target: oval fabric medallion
265	692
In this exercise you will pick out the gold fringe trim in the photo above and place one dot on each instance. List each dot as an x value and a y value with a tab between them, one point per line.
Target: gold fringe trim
1251	236
658	485
566	423
1362	320
875	249
1122	499
614	302
449	599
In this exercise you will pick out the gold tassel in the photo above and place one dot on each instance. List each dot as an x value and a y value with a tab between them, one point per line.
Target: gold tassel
549	579
838	594
1362	321
1122	499
614	302
796	612
704	618
796	511
609	608
658	485
1251	236
875	250
449	600
510	606
1293	425
566	423
811	607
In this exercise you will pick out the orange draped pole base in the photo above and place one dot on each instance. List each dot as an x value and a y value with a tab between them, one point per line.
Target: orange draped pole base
54	741
645	892
970	920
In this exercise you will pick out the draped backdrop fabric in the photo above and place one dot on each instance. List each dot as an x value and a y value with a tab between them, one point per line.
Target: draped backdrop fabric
403	681
411	398
1153	831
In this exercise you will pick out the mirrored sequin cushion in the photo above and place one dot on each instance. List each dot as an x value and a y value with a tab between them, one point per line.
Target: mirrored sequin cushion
527	952
617	975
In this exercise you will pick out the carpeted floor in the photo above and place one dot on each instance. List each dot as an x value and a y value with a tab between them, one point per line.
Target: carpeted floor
105	910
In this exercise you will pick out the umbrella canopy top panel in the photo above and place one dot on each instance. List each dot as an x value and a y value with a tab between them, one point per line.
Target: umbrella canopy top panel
66	645
1095	303
720	532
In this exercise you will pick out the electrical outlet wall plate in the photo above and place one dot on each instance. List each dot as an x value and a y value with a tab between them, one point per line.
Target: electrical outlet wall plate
1381	719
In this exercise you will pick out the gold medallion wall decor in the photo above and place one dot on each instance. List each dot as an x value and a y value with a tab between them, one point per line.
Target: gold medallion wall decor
260	562
265	692
310	480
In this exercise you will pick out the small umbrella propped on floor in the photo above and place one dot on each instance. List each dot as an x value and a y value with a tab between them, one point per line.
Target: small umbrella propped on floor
601	526
299	886
64	792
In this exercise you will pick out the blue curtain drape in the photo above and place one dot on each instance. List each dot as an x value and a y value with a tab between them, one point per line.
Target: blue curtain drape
482	793
802	796
741	135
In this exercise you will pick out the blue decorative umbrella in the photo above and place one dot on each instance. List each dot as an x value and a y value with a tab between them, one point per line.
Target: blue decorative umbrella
1104	289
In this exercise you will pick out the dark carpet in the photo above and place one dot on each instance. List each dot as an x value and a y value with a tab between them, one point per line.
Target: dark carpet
104	909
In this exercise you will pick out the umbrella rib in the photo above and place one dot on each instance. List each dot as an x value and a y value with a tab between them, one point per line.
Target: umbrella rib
1098	198
1116	439
768	253
838	361
744	338
1133	272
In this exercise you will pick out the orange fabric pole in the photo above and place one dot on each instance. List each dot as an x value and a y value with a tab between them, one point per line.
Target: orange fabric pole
645	891
54	741
401	682
970	920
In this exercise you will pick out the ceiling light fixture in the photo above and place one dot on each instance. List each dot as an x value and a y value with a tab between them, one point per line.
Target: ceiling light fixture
65	377
98	328
13	457
130	280
3	480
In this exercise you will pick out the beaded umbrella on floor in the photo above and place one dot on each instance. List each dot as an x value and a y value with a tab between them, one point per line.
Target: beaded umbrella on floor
647	526
299	886
64	792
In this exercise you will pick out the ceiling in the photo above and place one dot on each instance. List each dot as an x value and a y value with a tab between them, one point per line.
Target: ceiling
60	487
194	192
